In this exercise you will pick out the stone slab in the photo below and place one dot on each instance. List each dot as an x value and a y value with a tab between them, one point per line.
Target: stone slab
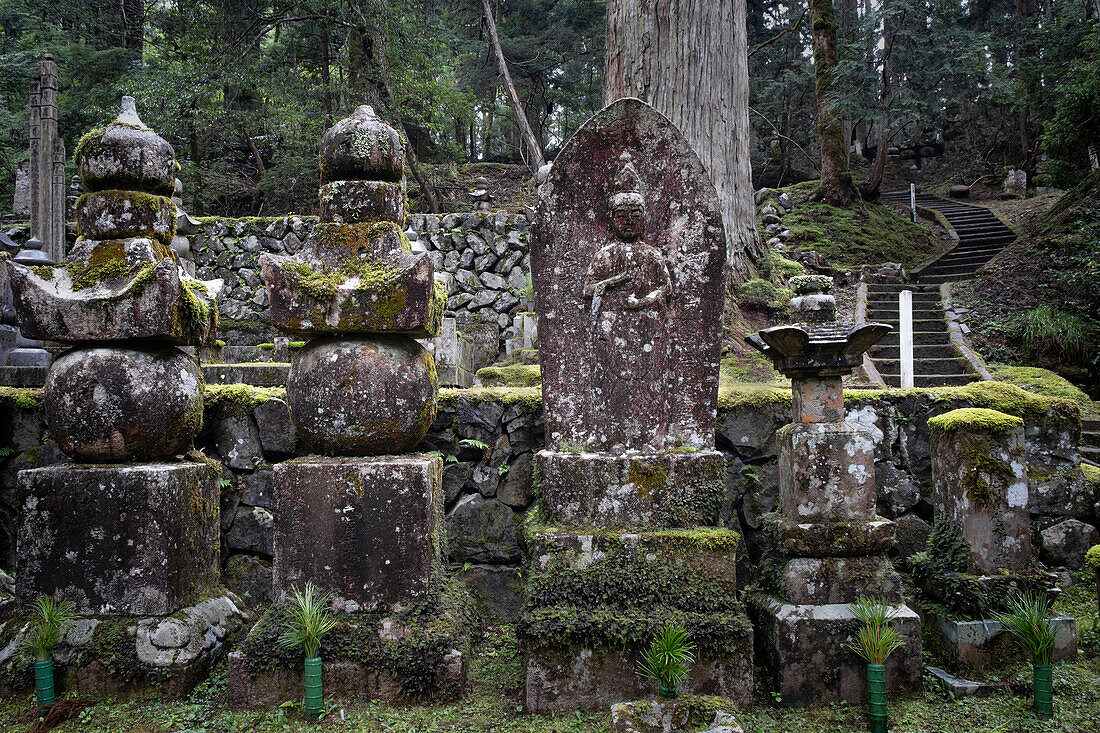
257	375
826	472
632	490
807	660
982	644
23	376
836	539
959	687
367	529
627	260
130	539
840	580
598	678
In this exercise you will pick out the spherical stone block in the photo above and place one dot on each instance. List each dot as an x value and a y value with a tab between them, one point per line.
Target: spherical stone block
361	146
124	214
364	396
354	201
128	155
108	405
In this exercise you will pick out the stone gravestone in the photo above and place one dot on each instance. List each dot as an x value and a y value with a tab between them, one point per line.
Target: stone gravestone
21	202
128	532
47	162
359	519
628	259
828	537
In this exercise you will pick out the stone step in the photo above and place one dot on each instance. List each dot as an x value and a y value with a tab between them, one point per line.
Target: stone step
921	338
1090	425
1000	238
1091	454
257	375
931	380
923	311
975	248
937	279
898	287
23	376
950	269
962	260
923	366
938	351
919	296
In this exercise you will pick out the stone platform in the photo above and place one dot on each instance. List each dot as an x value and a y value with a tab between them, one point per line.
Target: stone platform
669	489
134	539
982	644
419	652
595	598
803	650
129	657
368	529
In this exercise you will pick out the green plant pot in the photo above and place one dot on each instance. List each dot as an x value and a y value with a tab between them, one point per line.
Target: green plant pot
314	699
1043	678
667	693
43	682
876	692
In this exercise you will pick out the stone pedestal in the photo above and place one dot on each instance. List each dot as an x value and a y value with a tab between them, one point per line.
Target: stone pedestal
632	490
595	598
128	539
984	644
809	663
368	529
826	472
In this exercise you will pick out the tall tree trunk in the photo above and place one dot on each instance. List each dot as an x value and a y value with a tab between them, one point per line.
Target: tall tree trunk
879	169
132	16
846	9
533	146
425	183
689	59
326	75
367	64
487	133
837	187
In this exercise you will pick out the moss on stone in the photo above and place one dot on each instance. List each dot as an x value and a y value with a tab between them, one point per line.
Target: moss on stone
974	419
1092	558
1041	382
235	400
21	398
529	398
371	274
87	144
763	295
742	396
516	375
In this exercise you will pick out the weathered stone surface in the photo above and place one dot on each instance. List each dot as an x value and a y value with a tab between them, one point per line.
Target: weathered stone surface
517	489
146	303
277	433
362	396
257	488
105	405
355	278
912	535
352	201
983	644
250	578
840	580
114	214
980	485
365	528
597	678
629	241
361	147
810	662
137	539
682	715
608	490
826	472
835	539
1065	543
496	590
482	530
126	155
253	531
237	440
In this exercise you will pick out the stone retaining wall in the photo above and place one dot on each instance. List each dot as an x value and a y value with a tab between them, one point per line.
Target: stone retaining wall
483	257
488	438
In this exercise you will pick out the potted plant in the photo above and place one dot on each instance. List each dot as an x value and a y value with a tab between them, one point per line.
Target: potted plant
307	621
1027	617
668	659
875	642
48	622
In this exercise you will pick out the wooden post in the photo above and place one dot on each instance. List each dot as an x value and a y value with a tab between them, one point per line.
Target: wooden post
913	202
905	322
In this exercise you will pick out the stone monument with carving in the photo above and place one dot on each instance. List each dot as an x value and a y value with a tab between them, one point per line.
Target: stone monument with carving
128	532
628	259
47	162
362	518
827	540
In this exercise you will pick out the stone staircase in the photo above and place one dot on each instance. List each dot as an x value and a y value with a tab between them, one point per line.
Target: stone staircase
982	236
1090	441
936	362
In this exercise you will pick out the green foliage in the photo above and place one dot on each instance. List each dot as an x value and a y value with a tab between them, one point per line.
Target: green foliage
1092	558
669	657
1027	617
763	295
1053	334
876	639
48	622
307	620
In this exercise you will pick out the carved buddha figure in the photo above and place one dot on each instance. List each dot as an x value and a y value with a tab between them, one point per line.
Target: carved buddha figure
627	290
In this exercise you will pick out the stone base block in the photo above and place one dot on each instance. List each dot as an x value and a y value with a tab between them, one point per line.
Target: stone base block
630	490
983	644
840	579
803	649
160	657
124	539
836	539
368	529
810	487
578	677
421	652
